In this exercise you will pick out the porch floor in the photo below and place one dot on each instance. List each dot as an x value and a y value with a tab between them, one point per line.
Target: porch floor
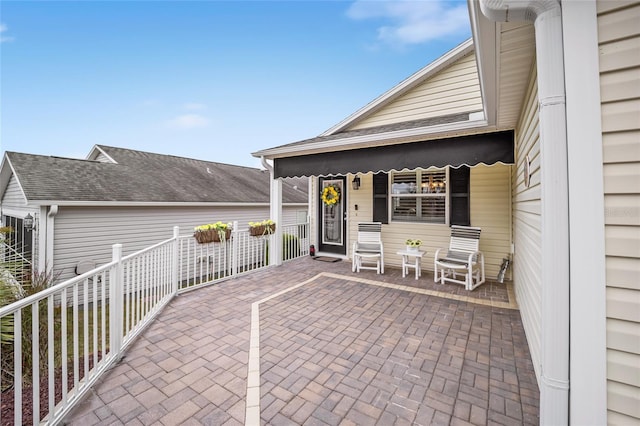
333	347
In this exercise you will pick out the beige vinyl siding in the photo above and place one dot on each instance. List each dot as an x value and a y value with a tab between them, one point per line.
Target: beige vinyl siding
490	210
619	46
527	232
88	233
456	89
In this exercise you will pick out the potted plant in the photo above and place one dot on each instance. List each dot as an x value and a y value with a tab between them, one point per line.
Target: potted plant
212	232
258	229
413	244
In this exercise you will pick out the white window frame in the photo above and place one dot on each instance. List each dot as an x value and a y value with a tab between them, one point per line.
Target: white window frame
418	173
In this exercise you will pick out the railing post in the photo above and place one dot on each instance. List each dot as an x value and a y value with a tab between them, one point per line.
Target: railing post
234	248
115	301
174	260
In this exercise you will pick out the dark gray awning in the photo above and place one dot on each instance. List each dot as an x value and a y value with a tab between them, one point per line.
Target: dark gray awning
488	148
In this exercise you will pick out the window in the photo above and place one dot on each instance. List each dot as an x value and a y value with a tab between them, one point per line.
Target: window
419	196
423	196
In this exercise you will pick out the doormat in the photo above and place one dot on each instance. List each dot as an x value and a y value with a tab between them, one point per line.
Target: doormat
327	259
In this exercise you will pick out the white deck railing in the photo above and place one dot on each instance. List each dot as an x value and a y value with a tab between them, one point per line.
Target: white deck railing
58	342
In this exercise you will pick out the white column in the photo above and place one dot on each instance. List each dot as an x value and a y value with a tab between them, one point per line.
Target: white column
275	240
174	260
275	214
116	307
554	392
42	239
554	336
53	211
588	396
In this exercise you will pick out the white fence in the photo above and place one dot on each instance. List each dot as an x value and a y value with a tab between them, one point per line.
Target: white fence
56	344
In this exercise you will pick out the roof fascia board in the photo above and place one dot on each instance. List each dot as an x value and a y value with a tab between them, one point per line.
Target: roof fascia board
65	203
485	35
398	136
5	175
434	67
96	151
6	171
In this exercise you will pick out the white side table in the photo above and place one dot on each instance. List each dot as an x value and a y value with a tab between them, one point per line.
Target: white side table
411	263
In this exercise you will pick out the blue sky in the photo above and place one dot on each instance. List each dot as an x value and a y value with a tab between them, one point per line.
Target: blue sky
212	80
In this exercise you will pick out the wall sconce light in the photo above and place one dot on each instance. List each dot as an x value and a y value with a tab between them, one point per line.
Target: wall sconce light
28	222
356	183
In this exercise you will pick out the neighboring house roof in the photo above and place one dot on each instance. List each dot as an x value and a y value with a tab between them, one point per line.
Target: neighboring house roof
140	178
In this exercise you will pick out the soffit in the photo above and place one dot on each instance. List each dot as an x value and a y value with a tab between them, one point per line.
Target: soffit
516	47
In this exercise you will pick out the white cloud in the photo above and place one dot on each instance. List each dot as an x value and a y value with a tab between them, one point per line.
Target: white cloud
3	38
194	106
413	22
188	121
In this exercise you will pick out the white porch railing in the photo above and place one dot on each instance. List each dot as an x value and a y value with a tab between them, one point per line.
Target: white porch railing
15	266
56	344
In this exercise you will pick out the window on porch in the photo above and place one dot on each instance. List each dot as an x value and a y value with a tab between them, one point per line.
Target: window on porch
419	196
439	196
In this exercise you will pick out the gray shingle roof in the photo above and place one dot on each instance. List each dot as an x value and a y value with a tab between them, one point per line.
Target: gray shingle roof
145	177
376	130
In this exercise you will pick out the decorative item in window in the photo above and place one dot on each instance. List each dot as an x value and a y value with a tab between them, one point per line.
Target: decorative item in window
413	244
212	232
258	229
330	195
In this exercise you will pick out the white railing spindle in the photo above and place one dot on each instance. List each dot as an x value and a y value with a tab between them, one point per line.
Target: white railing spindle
17	367
35	365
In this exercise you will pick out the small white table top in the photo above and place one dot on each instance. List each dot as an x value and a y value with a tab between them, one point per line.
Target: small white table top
416	253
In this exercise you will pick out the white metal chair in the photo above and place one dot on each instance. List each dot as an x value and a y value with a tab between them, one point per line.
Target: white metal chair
368	250
461	258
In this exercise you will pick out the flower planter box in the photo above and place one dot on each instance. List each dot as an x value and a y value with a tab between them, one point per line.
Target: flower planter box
258	231
413	248
210	236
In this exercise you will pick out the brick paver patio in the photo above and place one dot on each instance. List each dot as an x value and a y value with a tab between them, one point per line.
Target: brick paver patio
334	348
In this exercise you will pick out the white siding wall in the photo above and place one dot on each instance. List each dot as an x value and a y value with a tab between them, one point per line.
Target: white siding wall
453	90
13	204
13	201
87	233
490	210
527	223
619	43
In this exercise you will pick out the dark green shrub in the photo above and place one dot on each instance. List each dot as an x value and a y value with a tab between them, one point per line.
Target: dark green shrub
290	247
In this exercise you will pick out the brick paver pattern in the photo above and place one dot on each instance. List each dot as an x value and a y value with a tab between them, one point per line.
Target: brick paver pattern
333	351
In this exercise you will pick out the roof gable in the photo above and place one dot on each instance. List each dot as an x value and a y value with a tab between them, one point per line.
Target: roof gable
355	120
452	90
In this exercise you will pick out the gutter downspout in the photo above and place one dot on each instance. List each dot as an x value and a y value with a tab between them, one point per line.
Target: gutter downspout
275	214
547	18
53	211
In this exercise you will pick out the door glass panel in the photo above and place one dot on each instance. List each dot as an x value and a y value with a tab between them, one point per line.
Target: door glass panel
332	212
